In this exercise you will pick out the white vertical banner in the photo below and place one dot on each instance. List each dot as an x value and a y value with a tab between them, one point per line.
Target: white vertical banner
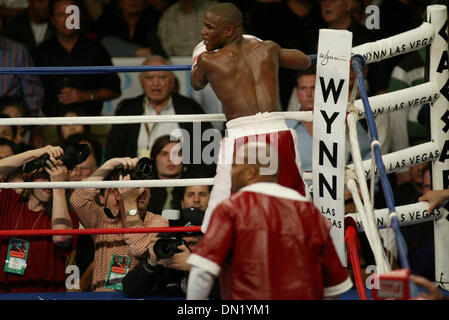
439	125
331	98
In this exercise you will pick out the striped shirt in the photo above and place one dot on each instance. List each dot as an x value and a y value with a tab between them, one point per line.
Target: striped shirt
29	87
92	215
180	31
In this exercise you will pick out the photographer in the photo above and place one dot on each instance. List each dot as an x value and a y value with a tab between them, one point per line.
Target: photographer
157	275
119	208
42	268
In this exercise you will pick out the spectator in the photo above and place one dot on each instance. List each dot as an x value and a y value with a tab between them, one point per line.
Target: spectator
433	293
25	138
129	29
7	132
28	87
10	8
240	240
166	276
122	207
196	196
31	27
7	148
85	249
305	95
264	21
131	140
64	131
337	15
28	211
93	161
16	176
180	26
164	154
70	48
436	198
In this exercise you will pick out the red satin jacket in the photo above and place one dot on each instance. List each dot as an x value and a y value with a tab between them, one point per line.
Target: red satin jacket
269	242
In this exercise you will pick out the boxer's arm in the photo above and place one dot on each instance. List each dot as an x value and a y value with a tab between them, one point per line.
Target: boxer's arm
198	77
294	59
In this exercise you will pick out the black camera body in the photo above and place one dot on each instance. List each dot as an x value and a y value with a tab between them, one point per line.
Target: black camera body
73	155
145	168
168	244
165	248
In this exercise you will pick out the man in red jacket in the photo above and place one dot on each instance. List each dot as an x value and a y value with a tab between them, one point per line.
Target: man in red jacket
266	241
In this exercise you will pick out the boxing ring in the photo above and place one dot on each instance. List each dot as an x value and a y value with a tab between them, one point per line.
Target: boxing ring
435	91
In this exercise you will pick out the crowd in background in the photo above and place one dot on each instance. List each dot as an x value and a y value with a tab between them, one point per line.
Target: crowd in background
34	33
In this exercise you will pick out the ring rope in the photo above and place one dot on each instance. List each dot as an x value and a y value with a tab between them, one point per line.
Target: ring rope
358	63
99	69
93	120
406	42
109	184
60	232
369	222
375	243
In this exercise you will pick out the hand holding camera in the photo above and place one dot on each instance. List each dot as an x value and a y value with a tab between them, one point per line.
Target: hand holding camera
178	260
73	155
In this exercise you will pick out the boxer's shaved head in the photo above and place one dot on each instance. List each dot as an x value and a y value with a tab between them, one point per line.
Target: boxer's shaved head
228	12
254	162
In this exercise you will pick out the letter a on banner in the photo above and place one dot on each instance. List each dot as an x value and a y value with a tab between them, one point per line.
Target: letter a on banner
329	130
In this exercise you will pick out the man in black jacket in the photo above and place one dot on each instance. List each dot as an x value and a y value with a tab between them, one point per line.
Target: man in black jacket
69	47
167	276
31	27
136	140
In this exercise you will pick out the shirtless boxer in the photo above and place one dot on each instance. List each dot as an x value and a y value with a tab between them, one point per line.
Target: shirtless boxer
243	72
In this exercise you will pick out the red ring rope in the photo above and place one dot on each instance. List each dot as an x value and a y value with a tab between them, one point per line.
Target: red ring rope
51	232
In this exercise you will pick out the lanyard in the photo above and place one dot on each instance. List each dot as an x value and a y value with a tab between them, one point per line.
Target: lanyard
147	127
20	215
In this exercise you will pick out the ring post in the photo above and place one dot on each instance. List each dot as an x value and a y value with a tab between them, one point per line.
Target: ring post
331	99
439	131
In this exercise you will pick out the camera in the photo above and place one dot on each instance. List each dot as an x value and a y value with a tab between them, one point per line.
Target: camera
145	168
165	248
73	155
167	245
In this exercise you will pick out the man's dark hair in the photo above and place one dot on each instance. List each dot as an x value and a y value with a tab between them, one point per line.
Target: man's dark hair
53	3
159	144
193	175
14	128
12	145
309	71
228	12
77	138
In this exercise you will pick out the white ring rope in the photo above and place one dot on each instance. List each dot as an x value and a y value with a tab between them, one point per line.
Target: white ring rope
294	115
110	184
409	214
402	43
367	204
371	230
405	158
397	100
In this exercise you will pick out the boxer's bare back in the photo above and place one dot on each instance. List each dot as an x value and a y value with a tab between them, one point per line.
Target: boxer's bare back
243	72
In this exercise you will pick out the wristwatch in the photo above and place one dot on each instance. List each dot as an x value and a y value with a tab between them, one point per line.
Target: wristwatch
93	96
132	212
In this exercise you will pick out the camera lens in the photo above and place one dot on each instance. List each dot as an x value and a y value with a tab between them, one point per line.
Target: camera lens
164	248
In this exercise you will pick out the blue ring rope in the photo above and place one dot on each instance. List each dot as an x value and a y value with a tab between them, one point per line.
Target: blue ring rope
101	69
91	69
358	63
